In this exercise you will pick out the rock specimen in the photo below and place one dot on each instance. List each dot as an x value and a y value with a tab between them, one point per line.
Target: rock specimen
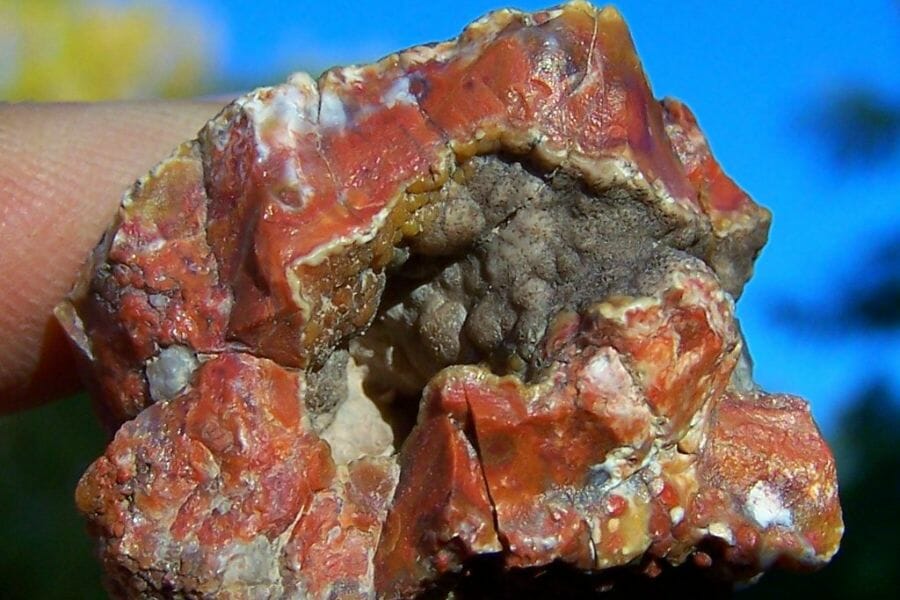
473	300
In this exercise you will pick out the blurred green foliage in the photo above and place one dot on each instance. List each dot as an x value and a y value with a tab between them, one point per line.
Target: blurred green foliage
80	50
860	125
865	301
44	549
869	472
67	50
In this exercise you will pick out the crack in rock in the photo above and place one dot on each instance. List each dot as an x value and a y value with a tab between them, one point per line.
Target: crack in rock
462	317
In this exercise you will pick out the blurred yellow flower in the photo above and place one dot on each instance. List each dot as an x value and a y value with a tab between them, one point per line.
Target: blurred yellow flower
87	50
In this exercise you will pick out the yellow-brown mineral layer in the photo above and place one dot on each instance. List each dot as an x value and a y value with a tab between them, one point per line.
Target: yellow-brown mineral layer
473	300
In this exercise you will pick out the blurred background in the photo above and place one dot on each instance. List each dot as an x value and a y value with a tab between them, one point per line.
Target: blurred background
800	101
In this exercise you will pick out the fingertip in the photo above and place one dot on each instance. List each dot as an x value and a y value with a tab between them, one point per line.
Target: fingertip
50	377
62	174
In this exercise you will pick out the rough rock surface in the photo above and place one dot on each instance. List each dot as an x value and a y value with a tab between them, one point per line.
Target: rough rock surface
473	302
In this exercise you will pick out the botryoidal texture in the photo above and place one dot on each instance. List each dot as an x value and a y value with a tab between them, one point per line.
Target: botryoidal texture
475	299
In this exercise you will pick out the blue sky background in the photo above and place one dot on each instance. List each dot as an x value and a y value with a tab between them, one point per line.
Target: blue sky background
753	72
756	74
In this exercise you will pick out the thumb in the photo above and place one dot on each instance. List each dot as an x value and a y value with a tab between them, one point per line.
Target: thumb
63	170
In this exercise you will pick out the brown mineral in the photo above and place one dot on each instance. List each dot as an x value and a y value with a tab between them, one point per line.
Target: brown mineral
471	304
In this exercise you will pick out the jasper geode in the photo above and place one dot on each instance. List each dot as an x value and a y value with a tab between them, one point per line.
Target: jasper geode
473	300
